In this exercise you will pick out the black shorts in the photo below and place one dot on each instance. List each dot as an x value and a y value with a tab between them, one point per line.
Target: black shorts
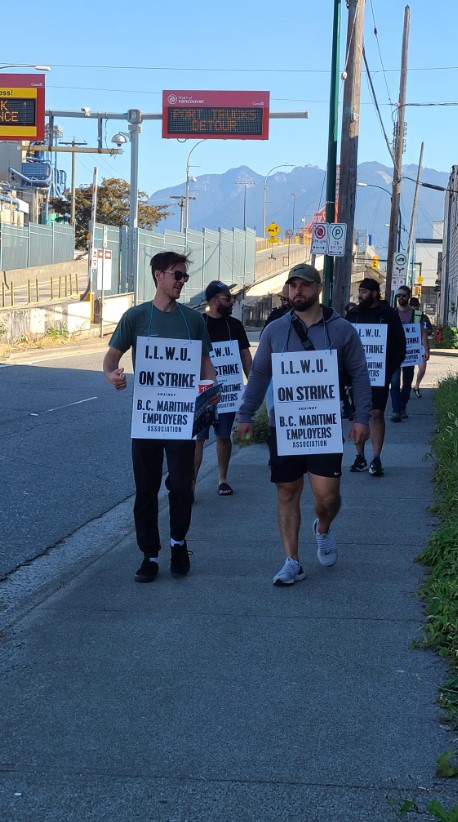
292	468
380	397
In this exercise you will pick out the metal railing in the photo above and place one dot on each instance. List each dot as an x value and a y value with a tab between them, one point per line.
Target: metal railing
36	291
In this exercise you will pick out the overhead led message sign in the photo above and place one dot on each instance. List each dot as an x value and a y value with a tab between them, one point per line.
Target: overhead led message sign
22	107
223	115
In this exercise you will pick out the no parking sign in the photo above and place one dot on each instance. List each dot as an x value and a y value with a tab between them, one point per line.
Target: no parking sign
320	238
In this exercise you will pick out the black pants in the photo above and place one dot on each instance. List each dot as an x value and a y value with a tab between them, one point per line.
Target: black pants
147	459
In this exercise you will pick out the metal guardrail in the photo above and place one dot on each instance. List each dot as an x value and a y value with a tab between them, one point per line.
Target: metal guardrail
37	291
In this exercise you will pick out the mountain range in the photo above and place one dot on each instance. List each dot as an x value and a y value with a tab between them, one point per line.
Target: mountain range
292	197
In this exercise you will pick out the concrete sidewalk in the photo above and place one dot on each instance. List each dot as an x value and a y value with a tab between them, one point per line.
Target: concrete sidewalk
219	696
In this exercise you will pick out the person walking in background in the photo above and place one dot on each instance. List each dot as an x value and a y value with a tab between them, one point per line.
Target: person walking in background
400	393
162	317
307	326
284	306
221	327
373	310
424	320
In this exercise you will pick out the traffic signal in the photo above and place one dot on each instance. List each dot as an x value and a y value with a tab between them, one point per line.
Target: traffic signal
374	263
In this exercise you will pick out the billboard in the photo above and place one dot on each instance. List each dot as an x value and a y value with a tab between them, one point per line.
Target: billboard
22	107
217	115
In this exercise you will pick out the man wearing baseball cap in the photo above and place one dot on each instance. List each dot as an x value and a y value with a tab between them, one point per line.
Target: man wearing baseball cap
372	310
309	325
221	326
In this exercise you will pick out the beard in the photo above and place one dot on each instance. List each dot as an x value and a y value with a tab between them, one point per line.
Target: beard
303	303
225	310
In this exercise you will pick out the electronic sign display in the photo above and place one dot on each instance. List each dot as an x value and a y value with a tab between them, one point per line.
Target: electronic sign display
22	107
237	115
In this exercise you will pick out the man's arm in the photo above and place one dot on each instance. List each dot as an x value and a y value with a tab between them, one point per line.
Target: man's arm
424	339
207	369
113	373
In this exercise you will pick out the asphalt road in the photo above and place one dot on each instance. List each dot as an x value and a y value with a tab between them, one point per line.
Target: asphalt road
65	448
65	436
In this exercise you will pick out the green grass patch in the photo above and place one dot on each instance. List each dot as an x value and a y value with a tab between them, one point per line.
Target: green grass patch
440	587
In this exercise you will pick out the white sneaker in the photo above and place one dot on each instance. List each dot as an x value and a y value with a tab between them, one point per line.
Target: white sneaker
291	572
326	550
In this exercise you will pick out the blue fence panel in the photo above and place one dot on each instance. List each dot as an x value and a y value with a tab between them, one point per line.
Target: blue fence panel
14	247
63	243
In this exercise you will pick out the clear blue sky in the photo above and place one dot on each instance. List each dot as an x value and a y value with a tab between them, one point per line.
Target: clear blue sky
112	57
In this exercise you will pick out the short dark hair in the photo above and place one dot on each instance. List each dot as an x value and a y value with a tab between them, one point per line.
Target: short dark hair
167	259
404	288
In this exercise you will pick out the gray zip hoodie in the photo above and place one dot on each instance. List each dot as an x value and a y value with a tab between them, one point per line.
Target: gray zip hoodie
331	332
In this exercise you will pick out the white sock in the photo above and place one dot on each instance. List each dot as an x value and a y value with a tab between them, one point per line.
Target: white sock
153	559
174	542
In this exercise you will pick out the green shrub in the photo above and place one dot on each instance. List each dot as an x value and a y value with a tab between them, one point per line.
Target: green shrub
260	428
440	588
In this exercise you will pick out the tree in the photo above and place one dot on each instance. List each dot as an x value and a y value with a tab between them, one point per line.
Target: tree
113	205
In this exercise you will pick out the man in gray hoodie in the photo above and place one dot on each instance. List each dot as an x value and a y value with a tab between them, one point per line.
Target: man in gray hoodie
309	325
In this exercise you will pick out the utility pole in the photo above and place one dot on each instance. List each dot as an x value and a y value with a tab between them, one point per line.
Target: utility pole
398	151
183	204
412	220
73	144
349	150
328	268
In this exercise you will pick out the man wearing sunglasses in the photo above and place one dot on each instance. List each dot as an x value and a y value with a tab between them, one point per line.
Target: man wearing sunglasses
162	317
308	326
284	306
221	326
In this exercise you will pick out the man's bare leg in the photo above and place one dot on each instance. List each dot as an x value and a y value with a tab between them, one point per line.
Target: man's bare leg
289	515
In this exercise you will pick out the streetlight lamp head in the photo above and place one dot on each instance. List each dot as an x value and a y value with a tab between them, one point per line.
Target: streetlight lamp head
119	139
86	111
43	68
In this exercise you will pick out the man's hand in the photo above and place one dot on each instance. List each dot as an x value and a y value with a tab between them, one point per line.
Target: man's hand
359	433
245	431
426	355
117	378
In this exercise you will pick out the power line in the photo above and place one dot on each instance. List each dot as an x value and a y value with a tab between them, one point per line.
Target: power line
377	108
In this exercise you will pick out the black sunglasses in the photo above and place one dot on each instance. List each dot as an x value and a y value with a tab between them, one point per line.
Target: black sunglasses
179	275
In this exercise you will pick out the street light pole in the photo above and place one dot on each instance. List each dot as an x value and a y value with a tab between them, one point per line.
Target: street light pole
245	183
134	117
264	202
293	195
187	197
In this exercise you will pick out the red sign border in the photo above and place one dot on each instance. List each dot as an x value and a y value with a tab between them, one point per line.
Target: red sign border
215	99
36	81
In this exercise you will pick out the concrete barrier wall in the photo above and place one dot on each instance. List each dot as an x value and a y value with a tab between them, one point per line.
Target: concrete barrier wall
33	322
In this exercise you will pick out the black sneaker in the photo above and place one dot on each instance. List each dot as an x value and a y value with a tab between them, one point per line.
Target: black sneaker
396	417
404	414
147	571
359	464
375	468
179	560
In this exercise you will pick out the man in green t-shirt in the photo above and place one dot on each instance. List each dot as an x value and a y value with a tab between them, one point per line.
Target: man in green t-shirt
161	317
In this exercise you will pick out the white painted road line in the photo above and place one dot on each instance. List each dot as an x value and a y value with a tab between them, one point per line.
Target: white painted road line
60	407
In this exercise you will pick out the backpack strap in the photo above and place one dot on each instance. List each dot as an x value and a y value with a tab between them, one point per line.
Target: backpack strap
301	332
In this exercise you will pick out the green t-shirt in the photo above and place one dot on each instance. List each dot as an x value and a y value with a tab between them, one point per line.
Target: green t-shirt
146	320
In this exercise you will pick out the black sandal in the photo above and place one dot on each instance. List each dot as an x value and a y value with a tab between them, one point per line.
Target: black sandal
417	393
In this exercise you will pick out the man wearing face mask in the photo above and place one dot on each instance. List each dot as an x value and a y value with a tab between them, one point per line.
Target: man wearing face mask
400	393
222	327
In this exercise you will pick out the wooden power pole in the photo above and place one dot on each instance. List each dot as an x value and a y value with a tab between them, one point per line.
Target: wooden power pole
349	149
394	230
